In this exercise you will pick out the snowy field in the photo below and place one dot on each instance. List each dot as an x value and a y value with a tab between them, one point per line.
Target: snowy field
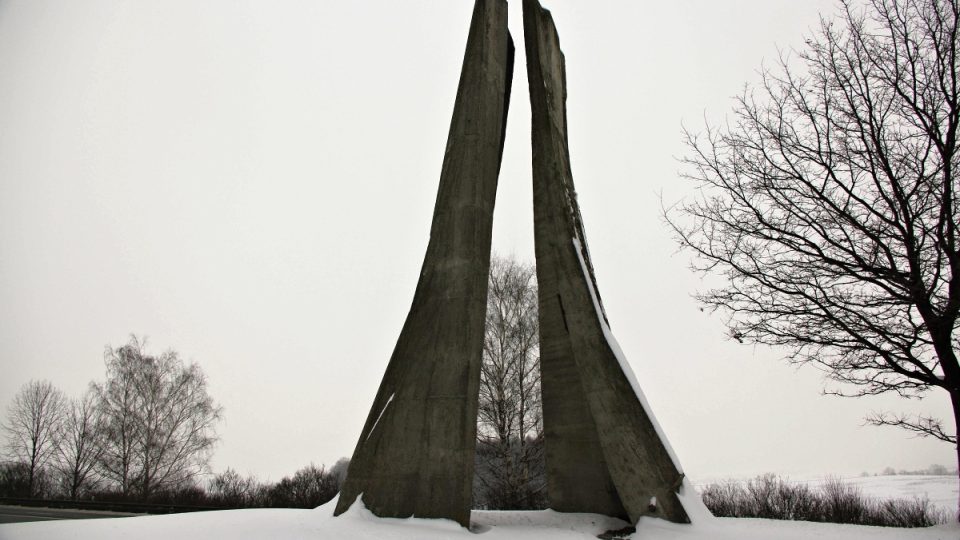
358	523
942	491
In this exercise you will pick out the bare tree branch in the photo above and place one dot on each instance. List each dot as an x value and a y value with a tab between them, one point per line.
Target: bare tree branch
923	426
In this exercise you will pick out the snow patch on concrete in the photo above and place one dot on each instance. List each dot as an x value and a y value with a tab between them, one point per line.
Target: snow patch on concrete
381	415
622	359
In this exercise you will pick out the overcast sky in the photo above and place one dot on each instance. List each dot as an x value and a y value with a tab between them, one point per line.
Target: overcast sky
251	184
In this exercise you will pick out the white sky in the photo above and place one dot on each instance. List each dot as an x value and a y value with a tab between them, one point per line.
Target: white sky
251	184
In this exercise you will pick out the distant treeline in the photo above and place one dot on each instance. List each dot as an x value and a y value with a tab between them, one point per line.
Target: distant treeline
933	470
309	487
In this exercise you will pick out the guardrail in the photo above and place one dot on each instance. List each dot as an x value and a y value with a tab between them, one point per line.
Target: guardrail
109	506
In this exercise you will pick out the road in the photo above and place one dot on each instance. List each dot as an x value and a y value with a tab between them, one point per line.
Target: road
19	514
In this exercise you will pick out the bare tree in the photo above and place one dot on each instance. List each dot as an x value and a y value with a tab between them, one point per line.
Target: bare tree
117	403
79	446
14	479
232	490
829	202
509	424
32	428
339	471
309	487
159	422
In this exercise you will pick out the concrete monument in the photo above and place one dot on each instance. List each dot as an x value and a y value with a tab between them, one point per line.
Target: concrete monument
415	453
604	451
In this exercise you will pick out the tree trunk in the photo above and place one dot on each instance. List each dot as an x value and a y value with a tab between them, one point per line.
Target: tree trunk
31	487
955	400
32	491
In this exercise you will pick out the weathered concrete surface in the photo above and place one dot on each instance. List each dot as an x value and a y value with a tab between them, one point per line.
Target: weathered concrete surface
415	455
603	451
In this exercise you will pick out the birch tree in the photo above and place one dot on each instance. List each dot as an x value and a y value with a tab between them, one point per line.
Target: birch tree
159	421
510	419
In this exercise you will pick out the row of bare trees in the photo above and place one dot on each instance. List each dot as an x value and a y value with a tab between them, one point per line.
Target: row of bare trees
309	487
149	427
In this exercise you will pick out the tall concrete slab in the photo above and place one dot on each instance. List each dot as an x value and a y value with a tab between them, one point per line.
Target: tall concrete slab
415	455
604	451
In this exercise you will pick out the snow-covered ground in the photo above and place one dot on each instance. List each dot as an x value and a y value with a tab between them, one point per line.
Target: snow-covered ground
360	524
